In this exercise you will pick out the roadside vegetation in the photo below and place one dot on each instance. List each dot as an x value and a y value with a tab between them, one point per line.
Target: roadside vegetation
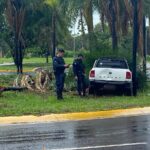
29	63
25	103
33	29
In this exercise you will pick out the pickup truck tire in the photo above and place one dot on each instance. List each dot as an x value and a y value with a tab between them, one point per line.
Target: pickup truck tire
91	90
128	90
125	90
95	89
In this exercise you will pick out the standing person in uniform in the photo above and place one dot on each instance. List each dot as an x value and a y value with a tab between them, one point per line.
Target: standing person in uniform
79	73
59	67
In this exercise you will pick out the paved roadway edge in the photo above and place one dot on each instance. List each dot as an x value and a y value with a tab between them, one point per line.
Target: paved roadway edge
75	116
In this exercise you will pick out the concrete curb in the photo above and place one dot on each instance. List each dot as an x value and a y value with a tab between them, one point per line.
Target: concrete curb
75	116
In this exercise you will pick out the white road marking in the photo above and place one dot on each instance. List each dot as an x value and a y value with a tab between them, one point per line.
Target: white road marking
103	146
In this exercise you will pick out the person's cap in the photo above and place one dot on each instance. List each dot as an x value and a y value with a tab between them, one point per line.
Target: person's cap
80	55
60	50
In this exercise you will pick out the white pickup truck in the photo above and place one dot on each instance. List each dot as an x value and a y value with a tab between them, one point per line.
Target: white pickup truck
110	71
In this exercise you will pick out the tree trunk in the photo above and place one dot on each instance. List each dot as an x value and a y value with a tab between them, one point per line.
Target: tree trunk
88	14
54	34
144	45
113	25
1	53
135	45
82	29
102	20
15	12
140	23
124	25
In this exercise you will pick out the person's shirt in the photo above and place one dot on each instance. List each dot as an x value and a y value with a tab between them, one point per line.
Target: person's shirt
78	67
58	65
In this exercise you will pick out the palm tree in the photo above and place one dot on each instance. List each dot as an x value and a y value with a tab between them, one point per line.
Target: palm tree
59	24
15	13
110	10
83	10
129	9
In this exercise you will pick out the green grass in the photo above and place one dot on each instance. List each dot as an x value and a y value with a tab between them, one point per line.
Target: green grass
7	80
25	103
5	60
148	58
30	63
27	66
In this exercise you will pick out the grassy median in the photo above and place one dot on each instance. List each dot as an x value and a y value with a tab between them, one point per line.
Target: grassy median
29	63
26	102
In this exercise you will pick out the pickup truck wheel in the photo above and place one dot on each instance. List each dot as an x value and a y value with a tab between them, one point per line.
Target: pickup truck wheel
129	91
91	90
120	89
94	90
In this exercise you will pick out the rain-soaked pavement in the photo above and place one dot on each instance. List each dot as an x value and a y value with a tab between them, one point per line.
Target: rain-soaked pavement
123	133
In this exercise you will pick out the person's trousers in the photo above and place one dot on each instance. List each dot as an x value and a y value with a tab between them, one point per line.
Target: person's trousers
60	78
81	85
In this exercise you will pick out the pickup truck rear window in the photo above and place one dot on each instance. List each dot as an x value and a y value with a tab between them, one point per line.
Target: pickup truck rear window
120	64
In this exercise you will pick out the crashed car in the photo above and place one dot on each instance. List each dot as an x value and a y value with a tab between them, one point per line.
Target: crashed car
110	71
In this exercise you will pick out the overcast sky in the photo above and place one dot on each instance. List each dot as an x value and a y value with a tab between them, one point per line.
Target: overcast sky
96	19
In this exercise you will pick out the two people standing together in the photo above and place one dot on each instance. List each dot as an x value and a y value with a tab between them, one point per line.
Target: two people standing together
59	67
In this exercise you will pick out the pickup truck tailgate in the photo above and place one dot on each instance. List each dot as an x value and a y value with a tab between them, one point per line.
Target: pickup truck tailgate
110	74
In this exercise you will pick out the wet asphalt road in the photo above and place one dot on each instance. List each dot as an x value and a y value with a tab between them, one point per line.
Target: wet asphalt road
127	133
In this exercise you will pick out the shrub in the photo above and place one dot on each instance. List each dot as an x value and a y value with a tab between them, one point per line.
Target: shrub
34	52
141	80
70	83
69	53
75	53
91	57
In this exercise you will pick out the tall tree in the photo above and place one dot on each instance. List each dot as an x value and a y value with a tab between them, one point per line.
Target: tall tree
110	9
59	24
15	12
75	7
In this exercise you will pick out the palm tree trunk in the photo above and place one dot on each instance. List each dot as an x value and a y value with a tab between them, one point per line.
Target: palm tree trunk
140	23
82	29
144	45
135	45
113	27
54	34
88	14
124	25
102	20
15	13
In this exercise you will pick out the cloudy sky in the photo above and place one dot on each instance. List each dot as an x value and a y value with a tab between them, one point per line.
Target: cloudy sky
75	31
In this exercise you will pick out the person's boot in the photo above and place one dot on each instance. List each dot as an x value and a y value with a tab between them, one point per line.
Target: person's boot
79	93
59	96
84	93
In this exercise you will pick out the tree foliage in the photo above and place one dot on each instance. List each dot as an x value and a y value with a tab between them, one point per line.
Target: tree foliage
45	24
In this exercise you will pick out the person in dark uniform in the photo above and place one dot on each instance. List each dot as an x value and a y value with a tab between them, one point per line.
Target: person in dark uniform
59	67
79	73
